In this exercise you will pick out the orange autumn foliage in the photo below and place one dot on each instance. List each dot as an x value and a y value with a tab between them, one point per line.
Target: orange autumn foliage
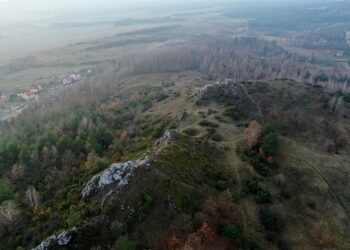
251	135
321	235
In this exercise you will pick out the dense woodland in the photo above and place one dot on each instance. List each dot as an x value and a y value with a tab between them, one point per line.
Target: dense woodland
239	59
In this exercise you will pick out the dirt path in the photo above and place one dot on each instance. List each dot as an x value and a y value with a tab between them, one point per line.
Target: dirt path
330	188
235	164
258	109
165	175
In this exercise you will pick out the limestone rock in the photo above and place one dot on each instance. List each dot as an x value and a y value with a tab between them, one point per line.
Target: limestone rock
61	239
117	173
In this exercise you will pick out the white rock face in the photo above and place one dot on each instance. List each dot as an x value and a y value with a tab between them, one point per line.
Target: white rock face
228	87
119	173
61	240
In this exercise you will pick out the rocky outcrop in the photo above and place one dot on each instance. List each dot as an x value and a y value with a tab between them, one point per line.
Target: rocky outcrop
227	88
118	173
230	92
163	142
61	239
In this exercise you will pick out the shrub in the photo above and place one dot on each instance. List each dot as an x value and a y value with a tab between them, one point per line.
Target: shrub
216	137
235	233
147	201
123	243
211	130
78	145
260	166
74	219
251	186
161	97
221	185
286	194
190	131
100	140
147	104
5	193
347	97
234	196
236	114
100	164
269	141
157	131
206	123
321	77
130	220
263	196
271	236
271	220
118	121
307	75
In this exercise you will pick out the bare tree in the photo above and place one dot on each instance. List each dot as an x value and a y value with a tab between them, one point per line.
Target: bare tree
9	214
252	134
32	197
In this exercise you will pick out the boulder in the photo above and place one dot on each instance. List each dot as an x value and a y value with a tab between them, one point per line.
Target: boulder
61	239
117	173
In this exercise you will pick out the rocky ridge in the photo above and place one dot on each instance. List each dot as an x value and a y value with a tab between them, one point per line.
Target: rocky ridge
61	239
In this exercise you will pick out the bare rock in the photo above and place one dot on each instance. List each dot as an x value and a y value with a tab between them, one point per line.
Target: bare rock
117	173
61	239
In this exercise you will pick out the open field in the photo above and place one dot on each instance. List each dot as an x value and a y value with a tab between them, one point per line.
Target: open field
107	44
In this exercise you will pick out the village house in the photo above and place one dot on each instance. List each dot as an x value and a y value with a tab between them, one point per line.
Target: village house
67	80
29	95
35	88
71	78
4	99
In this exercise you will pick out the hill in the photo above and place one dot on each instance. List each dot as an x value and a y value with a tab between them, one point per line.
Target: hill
233	164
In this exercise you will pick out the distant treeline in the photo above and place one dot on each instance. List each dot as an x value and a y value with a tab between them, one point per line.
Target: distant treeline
288	17
240	58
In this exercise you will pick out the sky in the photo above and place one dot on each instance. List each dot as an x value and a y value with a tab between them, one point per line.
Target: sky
14	10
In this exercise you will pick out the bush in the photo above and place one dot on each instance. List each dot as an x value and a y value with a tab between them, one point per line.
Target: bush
263	196
161	97
271	236
206	123
100	140
216	137
234	196
74	219
123	243
236	114
100	164
157	131
147	104
190	131
221	185
118	121
211	130
235	233
286	194
321	77
271	220
347	98
260	165
269	141
307	75
5	193
251	186
147	201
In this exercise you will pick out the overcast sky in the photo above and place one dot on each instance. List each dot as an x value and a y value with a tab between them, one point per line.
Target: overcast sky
13	10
